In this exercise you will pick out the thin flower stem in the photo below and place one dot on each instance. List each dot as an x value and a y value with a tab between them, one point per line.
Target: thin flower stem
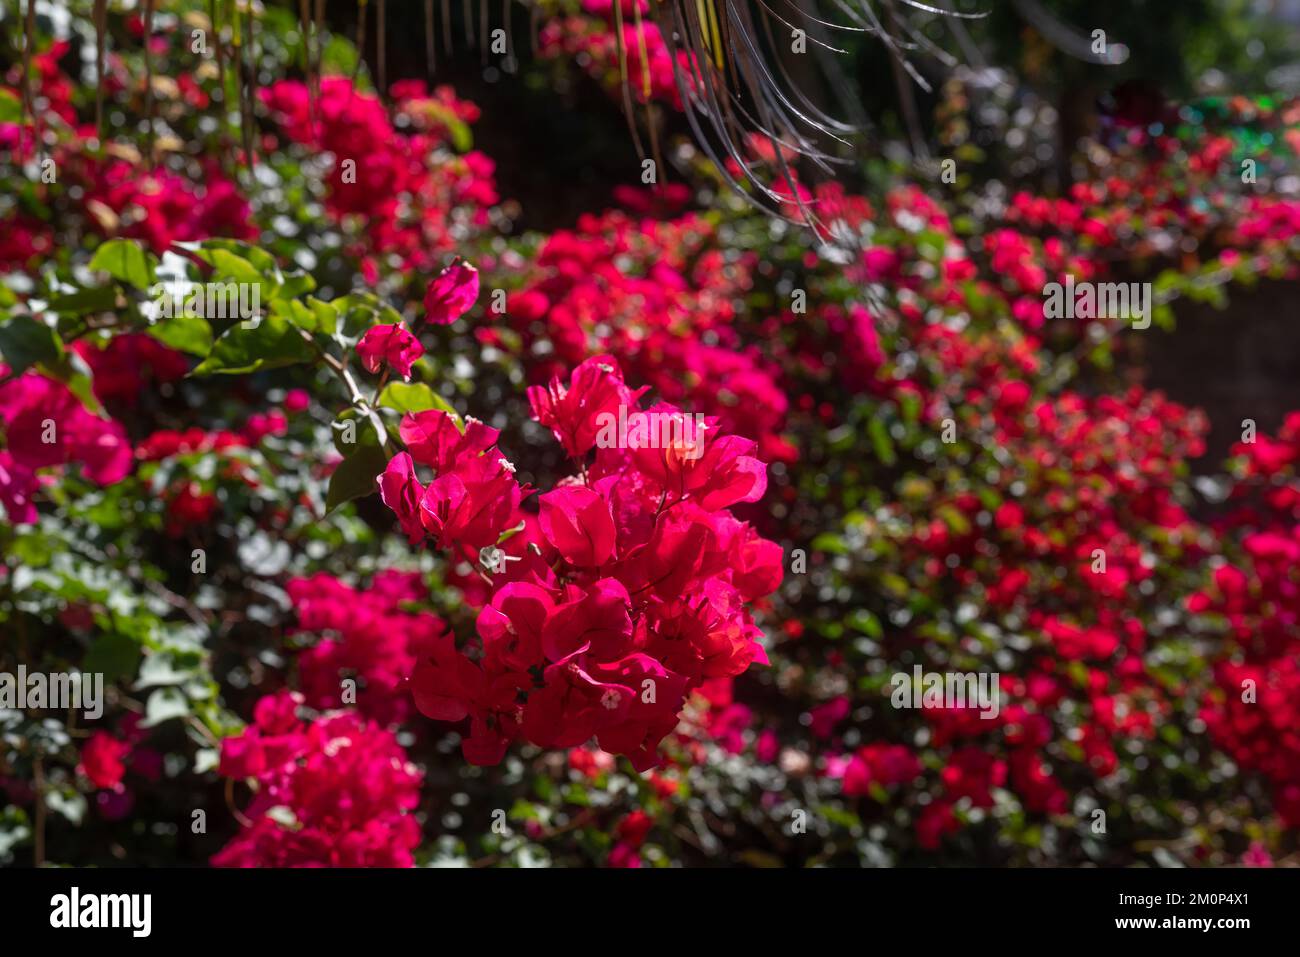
359	401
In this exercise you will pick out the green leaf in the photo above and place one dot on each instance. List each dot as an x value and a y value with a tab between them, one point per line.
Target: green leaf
910	405
295	285
265	343
831	543
355	477
72	370
881	441
255	256
460	135
237	262
25	341
414	397
865	622
230	266
954	519
315	317
33	550
68	802
327	317
339	56
11	108
362	432
457	130
192	334
126	261
117	656
83	301
163	705
361	310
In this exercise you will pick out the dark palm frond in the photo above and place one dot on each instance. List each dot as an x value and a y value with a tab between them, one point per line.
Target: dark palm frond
735	74
1066	38
736	81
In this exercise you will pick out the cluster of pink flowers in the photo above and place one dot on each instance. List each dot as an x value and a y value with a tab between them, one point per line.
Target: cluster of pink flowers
106	758
371	640
391	347
1107	465
1268	221
1163	196
659	295
1254	714
110	192
46	425
592	42
126	363
627	590
410	195
334	791
166	443
1254	718
191	496
619	607
159	206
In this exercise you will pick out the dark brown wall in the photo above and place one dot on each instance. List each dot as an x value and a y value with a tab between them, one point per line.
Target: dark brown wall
1237	363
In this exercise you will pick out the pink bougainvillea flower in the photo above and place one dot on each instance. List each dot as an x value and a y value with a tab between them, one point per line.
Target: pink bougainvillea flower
575	413
471	506
242	756
596	620
577	522
1256	855
101	760
17	484
46	425
720	474
127	362
366	633
760	567
434	439
613	602
935	821
444	683
401	491
511	626
651	714
572	705
451	294
392	345
344	784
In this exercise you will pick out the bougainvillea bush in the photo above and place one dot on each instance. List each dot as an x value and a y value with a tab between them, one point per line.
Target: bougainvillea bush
329	474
